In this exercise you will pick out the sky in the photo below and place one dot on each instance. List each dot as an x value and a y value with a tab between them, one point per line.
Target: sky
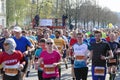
114	5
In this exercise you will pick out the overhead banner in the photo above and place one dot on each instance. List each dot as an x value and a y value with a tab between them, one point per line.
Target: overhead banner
45	22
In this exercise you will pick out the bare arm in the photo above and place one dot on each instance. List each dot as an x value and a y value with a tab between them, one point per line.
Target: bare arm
90	55
110	54
108	57
31	48
40	60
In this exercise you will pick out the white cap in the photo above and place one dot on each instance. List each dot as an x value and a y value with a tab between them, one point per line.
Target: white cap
17	29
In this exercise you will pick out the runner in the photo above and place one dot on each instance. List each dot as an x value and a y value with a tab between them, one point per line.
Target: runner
67	37
30	55
41	47
73	40
22	44
39	34
80	51
98	54
112	63
51	59
5	34
46	35
12	61
60	43
65	50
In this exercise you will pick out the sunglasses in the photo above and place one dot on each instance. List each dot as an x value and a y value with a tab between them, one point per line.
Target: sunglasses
49	43
5	44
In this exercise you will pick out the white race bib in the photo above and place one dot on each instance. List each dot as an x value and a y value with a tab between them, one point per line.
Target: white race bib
79	57
99	71
11	71
49	69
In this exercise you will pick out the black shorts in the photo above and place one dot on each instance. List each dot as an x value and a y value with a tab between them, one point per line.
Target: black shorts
16	77
81	73
111	64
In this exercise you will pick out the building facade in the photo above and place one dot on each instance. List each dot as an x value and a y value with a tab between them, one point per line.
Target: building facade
2	13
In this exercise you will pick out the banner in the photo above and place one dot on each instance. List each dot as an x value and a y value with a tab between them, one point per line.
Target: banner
45	22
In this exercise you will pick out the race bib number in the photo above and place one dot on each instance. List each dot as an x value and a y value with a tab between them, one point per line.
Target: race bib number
80	57
112	61
49	69
10	71
99	71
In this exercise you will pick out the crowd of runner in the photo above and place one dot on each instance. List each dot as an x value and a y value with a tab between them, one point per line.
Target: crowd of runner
45	50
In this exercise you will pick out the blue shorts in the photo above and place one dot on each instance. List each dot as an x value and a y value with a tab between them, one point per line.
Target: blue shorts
98	77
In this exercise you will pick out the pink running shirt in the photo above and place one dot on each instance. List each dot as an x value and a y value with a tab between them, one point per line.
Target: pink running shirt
49	59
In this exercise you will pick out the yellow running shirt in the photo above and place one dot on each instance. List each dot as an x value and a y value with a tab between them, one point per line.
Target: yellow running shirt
60	43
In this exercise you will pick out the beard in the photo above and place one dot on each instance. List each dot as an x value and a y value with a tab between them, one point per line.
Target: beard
98	40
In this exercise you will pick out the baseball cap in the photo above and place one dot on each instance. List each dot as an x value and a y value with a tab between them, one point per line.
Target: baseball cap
17	29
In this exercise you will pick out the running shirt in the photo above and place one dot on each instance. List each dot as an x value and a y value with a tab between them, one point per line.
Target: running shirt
37	55
98	50
80	54
114	46
33	38
68	38
11	62
60	43
65	39
48	60
22	43
38	52
73	41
